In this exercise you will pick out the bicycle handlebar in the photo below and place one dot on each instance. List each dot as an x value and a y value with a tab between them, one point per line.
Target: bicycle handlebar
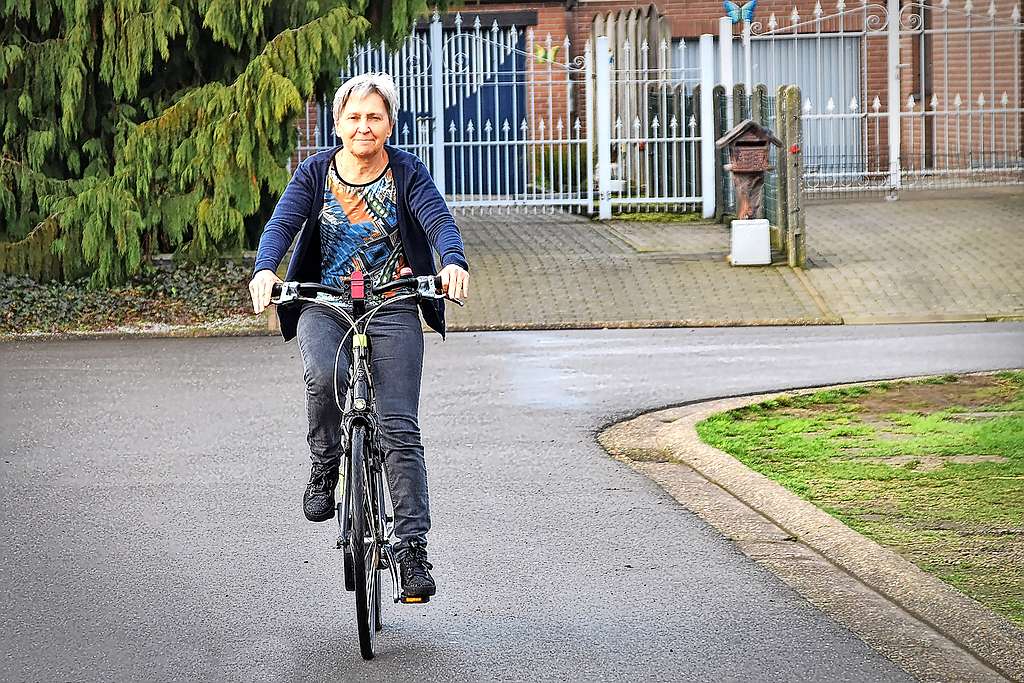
426	287
413	282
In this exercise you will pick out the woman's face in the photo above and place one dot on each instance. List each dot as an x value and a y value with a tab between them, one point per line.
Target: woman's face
364	125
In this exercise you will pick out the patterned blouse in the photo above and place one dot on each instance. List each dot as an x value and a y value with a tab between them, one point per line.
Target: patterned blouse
359	230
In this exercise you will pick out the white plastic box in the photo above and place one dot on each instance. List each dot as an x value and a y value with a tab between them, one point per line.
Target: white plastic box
751	244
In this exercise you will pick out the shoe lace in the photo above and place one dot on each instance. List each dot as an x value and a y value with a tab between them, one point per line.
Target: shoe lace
320	474
416	558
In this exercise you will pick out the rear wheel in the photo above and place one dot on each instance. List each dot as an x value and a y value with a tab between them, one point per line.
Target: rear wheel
365	553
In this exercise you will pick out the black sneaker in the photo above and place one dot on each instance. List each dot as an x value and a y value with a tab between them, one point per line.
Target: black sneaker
416	580
318	502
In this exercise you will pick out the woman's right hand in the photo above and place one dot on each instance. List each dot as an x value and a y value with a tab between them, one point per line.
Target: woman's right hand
259	289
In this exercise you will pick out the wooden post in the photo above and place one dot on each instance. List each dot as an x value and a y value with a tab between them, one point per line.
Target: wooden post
758	100
740	110
778	232
757	103
719	105
796	252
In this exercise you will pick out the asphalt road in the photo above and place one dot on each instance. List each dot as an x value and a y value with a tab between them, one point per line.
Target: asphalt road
150	510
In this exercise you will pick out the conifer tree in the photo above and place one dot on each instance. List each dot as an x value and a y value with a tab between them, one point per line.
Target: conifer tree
133	126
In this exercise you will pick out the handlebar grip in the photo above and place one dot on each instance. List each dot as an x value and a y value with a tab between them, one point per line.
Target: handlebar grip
406	282
395	284
275	290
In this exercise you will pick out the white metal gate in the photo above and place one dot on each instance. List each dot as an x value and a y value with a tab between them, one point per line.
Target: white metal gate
510	122
499	117
937	98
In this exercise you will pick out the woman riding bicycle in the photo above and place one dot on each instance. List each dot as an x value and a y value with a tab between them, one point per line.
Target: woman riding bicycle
370	207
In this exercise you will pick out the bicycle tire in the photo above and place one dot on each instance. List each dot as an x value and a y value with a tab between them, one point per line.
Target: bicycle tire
378	517
350	581
363	554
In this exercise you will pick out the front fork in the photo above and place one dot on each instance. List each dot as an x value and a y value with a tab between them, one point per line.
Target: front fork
360	403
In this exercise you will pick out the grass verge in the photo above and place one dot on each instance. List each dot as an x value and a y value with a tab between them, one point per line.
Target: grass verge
933	469
659	217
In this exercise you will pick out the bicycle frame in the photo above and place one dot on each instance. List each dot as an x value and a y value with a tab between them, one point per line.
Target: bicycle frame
360	407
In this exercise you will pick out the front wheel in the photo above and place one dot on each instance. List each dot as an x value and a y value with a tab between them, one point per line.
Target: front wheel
365	551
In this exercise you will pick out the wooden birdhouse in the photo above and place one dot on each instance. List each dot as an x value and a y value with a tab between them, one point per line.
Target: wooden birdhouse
748	147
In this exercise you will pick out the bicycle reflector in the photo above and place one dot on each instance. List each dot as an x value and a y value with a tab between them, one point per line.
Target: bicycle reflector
358	285
408	600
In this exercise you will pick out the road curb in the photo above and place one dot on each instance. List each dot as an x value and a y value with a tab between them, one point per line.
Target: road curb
916	319
212	330
643	324
656	442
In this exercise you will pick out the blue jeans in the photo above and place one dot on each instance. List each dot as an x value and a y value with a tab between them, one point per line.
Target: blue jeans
396	345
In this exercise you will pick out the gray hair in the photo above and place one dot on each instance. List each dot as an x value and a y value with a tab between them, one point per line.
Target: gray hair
367	84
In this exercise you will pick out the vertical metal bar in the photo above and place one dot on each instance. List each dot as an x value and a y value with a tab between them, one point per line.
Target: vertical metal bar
638	93
748	64
578	147
525	130
490	145
626	145
527	70
478	157
654	157
496	116
819	63
893	84
1006	155
478	70
591	128
604	128
707	128
513	44
531	149
664	103
992	75
1017	103
981	132
693	158
923	75
678	152
437	102
945	80
970	95
560	165
551	121
508	153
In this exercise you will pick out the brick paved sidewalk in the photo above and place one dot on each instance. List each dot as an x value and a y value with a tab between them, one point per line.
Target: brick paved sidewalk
566	271
923	258
926	256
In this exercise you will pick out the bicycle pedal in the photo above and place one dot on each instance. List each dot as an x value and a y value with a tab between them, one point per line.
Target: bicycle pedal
409	600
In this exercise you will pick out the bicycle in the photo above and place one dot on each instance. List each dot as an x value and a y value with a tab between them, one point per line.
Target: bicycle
364	510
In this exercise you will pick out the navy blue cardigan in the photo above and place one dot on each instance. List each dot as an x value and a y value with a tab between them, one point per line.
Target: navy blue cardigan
423	220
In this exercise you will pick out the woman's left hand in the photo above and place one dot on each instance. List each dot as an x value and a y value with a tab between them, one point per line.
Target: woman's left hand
455	282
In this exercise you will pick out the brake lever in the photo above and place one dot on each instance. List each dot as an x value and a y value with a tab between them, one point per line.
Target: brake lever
425	288
289	292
